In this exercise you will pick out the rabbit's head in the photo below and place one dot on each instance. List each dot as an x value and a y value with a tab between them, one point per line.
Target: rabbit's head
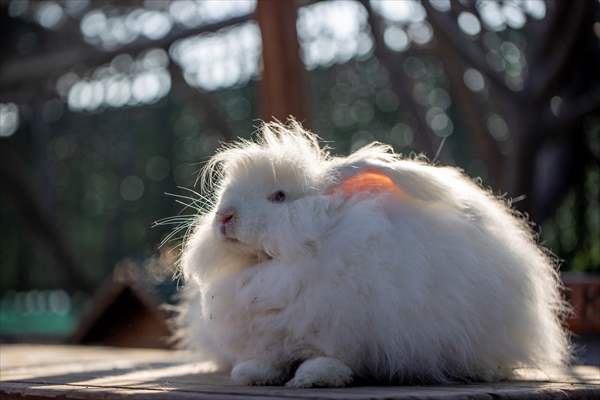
265	189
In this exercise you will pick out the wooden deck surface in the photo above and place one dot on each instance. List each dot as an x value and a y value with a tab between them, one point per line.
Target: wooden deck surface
76	372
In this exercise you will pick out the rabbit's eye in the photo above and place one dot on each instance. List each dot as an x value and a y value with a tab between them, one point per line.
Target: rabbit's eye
277	197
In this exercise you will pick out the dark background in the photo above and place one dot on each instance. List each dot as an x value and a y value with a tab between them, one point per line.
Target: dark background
105	106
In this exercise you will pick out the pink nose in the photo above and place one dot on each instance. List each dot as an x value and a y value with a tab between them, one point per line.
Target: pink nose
226	215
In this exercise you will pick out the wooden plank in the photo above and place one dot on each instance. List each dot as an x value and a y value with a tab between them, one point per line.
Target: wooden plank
78	372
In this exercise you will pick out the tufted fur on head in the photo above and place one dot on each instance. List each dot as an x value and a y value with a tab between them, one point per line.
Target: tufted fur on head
367	266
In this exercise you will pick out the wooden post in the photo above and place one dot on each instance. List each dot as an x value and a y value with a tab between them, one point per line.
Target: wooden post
282	84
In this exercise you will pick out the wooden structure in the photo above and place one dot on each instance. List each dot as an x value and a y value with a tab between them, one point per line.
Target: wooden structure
62	372
282	85
583	294
125	312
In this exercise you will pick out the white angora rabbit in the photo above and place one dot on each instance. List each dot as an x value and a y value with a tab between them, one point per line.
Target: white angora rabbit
314	270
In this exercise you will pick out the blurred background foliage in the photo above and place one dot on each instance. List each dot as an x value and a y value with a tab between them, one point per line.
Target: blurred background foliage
107	105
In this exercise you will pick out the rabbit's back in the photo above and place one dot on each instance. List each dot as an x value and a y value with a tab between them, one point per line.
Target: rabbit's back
448	286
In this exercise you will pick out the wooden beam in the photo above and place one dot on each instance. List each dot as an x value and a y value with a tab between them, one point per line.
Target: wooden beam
49	65
282	84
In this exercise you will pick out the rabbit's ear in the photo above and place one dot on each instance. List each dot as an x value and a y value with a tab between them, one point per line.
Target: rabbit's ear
367	180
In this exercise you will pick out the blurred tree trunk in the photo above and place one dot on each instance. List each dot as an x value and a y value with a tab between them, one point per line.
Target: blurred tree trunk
282	84
541	138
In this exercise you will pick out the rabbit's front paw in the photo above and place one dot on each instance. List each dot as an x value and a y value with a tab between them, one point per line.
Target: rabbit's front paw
255	372
321	372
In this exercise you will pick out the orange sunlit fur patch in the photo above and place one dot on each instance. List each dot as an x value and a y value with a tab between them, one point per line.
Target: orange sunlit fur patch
367	181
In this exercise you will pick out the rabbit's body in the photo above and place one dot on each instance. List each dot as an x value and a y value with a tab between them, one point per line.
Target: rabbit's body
436	280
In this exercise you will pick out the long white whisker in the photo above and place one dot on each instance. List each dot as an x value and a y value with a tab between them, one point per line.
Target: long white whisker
189	190
190	205
174	232
173	222
184	222
192	200
177	217
181	196
201	196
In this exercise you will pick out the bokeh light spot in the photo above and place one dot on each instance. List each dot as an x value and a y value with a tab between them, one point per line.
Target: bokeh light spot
402	135
555	105
400	11
420	33
439	122
49	14
498	127
132	188
514	15
9	119
395	38
469	23
492	15
474	80
536	8
158	168
440	5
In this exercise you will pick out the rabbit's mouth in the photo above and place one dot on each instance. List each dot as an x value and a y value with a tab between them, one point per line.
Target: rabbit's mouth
247	248
230	239
226	234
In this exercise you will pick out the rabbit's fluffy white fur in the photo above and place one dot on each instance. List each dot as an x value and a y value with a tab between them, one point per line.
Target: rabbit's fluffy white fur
441	283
